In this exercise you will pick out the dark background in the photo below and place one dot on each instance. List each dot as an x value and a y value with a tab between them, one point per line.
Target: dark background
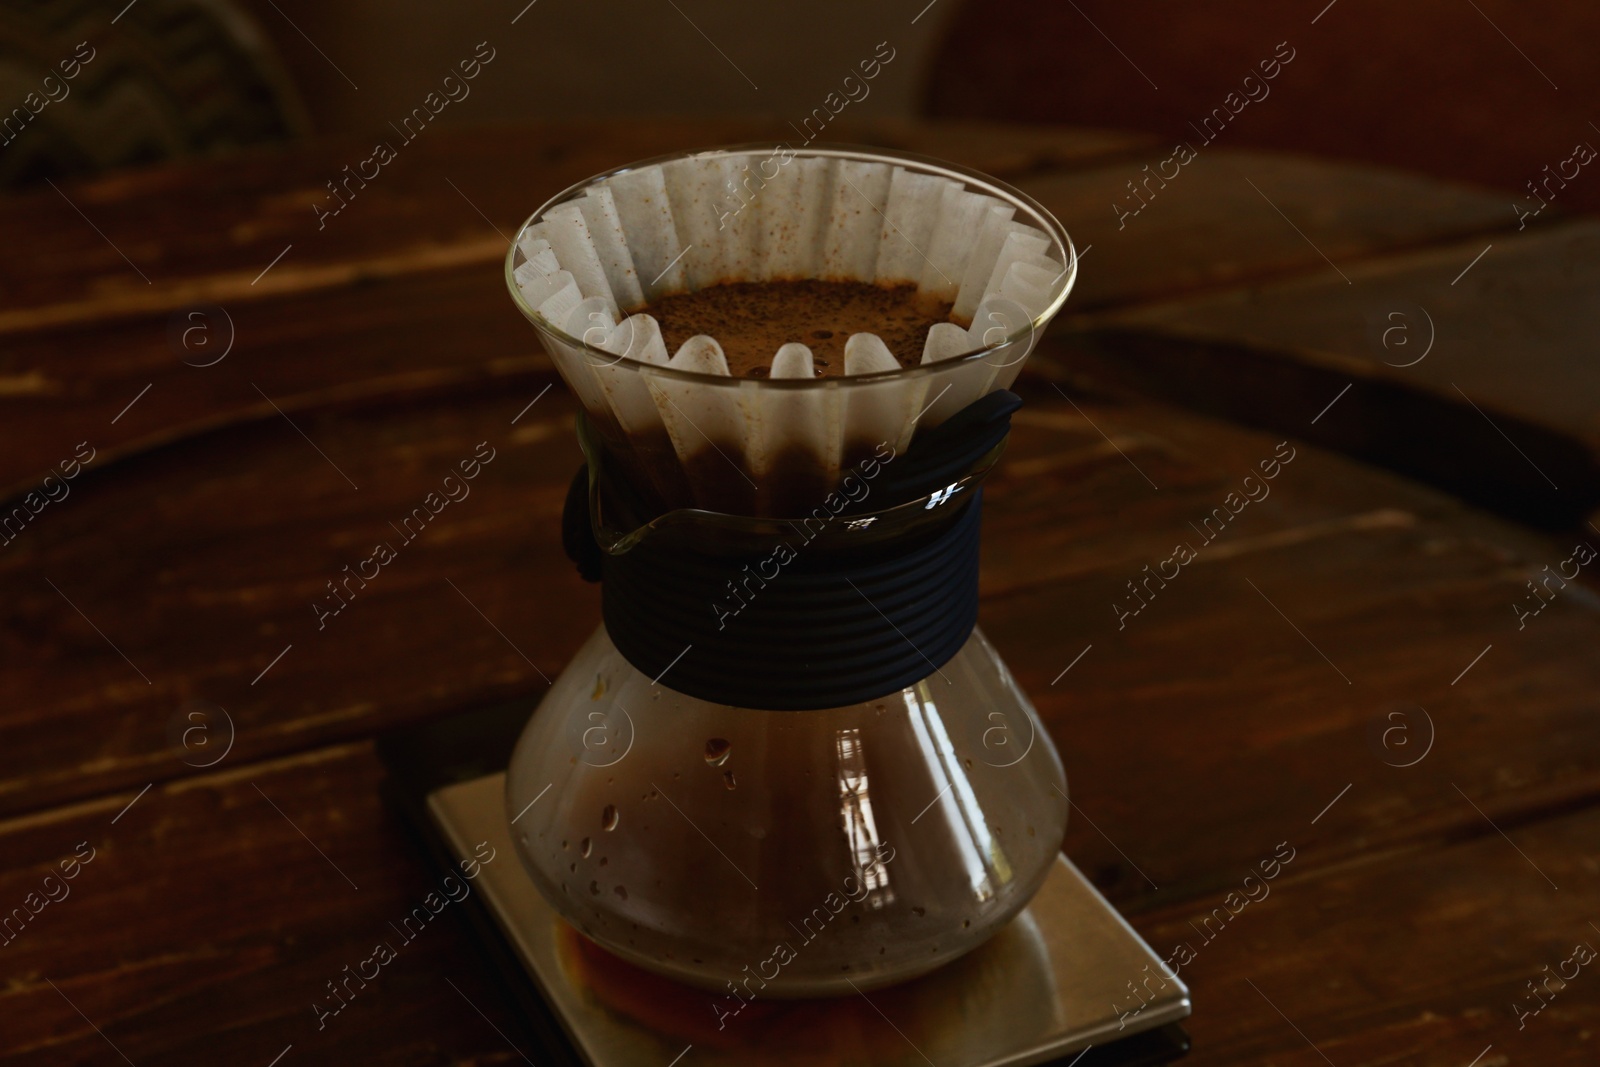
1485	91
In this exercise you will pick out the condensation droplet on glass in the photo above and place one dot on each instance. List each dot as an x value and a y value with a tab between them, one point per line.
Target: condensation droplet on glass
717	751
584	847
609	817
594	888
622	891
919	912
728	779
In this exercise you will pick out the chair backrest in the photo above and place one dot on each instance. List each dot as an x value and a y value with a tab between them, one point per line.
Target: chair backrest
1486	91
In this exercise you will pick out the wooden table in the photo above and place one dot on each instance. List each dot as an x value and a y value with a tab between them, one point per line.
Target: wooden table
1353	621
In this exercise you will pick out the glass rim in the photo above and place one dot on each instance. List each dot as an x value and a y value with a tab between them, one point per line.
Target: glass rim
864	153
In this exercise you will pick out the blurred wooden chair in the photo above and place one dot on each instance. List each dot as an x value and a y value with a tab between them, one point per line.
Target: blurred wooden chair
171	78
1428	85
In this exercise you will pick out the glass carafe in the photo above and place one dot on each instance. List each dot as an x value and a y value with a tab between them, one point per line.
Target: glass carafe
788	852
803	852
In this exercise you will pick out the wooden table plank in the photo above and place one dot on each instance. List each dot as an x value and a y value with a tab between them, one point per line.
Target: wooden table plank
201	232
1384	957
207	924
1489	354
1230	218
1401	587
1414	956
222	585
427	335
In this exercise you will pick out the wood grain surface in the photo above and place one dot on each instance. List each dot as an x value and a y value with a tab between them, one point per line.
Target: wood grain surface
1248	703
1490	336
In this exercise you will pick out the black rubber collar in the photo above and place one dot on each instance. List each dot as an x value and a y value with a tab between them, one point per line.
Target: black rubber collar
852	602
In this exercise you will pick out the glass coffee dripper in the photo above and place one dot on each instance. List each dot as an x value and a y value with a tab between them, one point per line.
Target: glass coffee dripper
776	847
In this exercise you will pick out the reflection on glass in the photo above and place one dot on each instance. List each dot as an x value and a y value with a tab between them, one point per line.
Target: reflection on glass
982	854
883	810
860	829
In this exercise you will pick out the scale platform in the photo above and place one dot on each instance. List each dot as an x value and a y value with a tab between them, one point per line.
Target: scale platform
1048	989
